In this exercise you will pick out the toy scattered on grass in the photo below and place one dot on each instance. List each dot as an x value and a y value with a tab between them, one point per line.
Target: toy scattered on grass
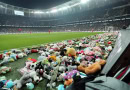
4	69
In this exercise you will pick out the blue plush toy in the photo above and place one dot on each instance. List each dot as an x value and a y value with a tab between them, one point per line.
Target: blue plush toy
9	84
78	59
30	86
61	87
13	56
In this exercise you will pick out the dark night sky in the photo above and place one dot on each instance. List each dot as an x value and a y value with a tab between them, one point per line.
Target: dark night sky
35	4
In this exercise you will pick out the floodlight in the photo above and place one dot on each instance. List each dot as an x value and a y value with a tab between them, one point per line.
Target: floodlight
38	12
64	8
54	11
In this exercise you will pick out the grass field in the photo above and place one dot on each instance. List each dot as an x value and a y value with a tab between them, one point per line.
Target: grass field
11	41
23	40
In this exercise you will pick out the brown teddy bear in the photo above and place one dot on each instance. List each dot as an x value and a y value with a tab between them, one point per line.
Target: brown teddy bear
71	52
92	69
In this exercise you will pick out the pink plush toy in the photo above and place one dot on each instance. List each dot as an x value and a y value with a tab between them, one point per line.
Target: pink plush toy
97	49
90	53
89	58
80	52
28	64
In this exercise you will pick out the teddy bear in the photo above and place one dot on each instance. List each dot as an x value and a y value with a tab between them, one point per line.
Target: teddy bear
92	69
71	52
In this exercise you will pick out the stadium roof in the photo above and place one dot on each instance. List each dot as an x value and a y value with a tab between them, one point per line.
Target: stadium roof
35	4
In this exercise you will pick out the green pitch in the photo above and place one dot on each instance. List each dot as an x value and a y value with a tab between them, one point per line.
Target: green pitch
11	41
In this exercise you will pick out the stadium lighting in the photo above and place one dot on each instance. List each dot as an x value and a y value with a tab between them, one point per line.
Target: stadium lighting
64	8
83	1
54	11
38	12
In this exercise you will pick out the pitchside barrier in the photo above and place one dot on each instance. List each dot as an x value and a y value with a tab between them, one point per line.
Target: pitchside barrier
120	56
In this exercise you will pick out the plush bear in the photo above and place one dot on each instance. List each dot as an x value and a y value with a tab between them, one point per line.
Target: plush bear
71	52
92	69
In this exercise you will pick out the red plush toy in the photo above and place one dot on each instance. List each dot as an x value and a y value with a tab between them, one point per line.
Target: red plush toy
33	60
1	56
109	42
34	51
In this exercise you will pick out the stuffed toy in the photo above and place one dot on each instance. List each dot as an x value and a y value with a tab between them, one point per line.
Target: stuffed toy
51	51
61	87
2	78
109	42
70	74
109	48
20	55
63	52
7	84
89	53
26	51
46	76
71	68
24	70
28	64
41	58
97	49
71	52
34	51
89	58
30	86
26	78
1	56
80	52
12	55
92	69
46	62
53	58
68	82
4	69
33	66
84	63
33	60
39	69
16	51
43	53
6	60
53	74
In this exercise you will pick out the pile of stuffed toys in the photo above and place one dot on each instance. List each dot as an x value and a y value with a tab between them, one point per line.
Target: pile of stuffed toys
59	62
